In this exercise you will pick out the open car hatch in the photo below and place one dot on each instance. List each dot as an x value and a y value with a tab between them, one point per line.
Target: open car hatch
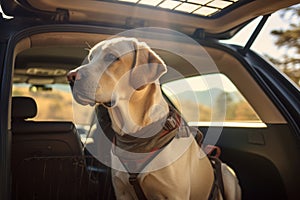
219	19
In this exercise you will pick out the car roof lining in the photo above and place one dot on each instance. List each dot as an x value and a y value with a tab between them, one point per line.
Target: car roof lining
225	63
119	14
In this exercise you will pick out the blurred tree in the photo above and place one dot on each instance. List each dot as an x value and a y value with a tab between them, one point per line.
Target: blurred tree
223	107
242	111
289	38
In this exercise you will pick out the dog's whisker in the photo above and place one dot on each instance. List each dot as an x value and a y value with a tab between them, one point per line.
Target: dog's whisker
89	46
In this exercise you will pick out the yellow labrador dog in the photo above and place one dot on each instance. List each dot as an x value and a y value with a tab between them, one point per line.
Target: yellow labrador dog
122	74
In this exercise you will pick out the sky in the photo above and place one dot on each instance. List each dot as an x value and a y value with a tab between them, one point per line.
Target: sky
264	43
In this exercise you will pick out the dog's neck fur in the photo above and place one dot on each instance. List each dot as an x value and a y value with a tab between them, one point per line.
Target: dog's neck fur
144	107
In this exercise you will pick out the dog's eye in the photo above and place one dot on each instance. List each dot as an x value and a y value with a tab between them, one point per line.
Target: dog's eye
110	57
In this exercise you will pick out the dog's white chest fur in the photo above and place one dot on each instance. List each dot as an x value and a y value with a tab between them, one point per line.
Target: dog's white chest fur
156	112
173	174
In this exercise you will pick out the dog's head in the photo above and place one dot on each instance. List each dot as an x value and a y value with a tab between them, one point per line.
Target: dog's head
114	69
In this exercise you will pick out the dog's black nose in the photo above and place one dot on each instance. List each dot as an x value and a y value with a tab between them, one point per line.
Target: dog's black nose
72	76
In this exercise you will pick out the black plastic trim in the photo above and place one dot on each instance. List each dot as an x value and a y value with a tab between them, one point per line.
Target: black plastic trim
255	34
5	138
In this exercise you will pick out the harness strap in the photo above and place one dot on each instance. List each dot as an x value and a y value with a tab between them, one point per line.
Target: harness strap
173	122
218	184
136	185
213	153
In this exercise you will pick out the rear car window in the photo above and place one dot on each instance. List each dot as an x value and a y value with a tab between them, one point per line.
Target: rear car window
211	99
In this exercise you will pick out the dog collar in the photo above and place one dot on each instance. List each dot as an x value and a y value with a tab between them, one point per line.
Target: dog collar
138	143
135	153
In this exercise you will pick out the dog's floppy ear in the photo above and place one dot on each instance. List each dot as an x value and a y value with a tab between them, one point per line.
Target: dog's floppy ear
148	66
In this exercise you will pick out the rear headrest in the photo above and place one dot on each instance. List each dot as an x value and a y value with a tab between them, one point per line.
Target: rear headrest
23	107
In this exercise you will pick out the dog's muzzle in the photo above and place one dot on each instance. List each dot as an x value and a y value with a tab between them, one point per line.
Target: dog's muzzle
73	76
80	97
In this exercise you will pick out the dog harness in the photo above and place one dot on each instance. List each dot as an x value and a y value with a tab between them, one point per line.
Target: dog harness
174	127
148	153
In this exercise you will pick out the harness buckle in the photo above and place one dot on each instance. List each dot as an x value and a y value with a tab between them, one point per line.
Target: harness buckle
183	131
170	124
133	178
136	185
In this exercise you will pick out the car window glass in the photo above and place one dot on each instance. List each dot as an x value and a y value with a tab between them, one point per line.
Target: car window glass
201	100
53	102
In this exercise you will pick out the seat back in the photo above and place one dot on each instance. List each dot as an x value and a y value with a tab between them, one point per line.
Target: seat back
47	157
40	138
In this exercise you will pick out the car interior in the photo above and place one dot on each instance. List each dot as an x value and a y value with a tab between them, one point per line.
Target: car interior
49	158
